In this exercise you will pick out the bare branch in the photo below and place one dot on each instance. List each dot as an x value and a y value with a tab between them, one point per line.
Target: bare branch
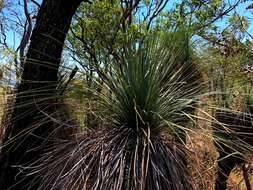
36	3
241	22
223	13
26	35
160	6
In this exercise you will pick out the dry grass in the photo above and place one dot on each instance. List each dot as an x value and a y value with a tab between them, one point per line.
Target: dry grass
2	103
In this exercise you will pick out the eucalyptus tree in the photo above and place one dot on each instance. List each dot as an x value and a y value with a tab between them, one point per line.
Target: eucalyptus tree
27	134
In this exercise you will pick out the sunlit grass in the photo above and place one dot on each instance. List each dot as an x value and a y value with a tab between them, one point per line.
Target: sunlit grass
3	97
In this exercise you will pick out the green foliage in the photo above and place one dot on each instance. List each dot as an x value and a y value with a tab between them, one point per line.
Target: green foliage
225	74
239	23
138	86
153	90
154	84
249	103
1	4
225	58
199	15
100	32
97	31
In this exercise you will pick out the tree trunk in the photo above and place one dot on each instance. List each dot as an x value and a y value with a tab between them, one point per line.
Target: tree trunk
246	176
31	129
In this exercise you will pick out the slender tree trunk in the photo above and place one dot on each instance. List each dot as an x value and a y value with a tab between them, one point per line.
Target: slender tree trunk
30	130
246	177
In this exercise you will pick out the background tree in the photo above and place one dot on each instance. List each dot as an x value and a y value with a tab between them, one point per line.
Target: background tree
17	20
226	60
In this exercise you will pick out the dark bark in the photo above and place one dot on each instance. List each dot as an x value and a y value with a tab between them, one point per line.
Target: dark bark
225	166
31	129
246	177
227	143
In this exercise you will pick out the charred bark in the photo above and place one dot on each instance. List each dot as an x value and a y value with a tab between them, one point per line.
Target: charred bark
31	129
232	143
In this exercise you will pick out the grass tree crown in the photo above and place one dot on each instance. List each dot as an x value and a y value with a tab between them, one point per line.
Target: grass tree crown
155	84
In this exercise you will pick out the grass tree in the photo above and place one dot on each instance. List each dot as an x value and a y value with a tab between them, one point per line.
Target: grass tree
233	139
140	141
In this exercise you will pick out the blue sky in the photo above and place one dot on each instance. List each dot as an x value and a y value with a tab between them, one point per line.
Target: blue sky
241	10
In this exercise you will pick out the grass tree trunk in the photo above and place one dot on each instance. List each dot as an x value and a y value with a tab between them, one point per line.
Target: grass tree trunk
29	132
